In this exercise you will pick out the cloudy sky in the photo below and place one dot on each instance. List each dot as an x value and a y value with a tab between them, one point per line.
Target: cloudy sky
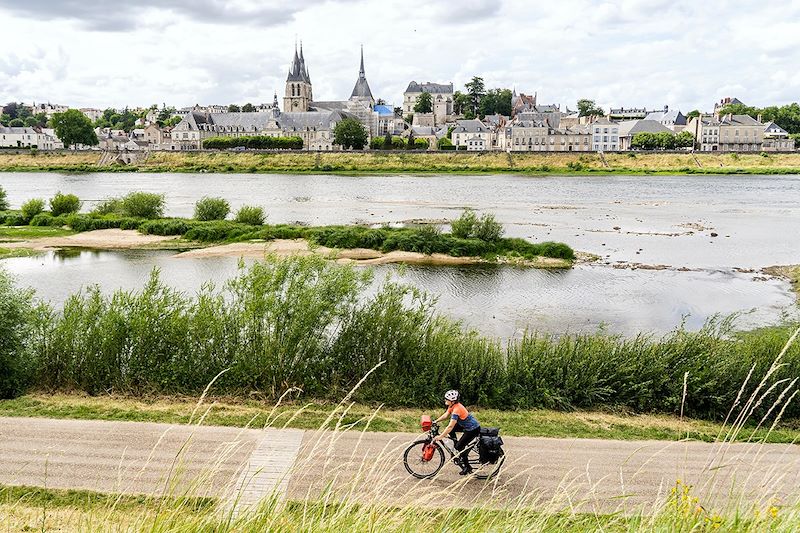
685	53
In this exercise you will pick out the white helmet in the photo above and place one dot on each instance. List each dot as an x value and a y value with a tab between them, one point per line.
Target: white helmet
451	395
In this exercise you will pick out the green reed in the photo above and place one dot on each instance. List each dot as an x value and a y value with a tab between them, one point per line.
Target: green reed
318	326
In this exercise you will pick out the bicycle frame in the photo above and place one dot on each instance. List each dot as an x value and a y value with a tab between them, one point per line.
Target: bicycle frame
434	432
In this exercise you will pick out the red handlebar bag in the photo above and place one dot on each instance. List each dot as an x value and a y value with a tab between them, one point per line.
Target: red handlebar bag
427	452
426	422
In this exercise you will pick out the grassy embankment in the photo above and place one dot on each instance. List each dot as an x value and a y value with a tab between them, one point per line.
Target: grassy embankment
417	162
238	412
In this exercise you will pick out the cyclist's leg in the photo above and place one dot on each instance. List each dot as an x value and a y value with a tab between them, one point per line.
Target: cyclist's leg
466	438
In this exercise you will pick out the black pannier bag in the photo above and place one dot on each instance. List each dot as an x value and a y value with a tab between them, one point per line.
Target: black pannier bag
490	445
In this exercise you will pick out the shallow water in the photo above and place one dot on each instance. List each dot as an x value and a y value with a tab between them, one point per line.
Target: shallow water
500	301
666	219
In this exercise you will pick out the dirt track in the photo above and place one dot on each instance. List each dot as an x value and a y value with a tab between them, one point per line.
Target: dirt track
579	474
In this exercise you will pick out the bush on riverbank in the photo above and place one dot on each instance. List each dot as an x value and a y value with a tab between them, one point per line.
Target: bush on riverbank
250	214
308	323
208	208
31	208
64	204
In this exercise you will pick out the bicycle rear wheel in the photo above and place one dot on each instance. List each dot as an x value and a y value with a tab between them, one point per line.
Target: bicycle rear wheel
486	470
417	466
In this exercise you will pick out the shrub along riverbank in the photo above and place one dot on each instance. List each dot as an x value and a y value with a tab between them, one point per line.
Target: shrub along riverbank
308	323
417	162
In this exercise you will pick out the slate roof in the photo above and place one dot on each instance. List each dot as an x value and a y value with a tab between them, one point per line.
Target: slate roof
254	121
470	126
632	127
739	120
361	89
429	87
14	130
771	127
298	70
673	117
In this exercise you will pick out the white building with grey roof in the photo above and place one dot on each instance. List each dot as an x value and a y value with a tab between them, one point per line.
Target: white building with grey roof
776	139
605	135
671	118
24	137
472	135
629	128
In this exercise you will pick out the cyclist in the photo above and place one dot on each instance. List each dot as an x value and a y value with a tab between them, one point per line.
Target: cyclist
460	420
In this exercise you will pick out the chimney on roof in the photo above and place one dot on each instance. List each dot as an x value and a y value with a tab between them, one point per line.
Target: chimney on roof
758	118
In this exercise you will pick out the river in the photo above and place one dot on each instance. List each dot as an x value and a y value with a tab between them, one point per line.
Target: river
650	220
666	219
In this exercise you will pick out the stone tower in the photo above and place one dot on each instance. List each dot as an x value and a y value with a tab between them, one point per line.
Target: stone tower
298	96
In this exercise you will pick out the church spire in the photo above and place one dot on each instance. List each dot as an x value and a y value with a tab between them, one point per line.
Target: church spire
298	70
361	90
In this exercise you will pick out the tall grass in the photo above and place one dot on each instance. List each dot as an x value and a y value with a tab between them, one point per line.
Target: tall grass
308	323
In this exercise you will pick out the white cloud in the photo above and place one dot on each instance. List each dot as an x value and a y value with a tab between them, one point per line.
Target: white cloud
623	52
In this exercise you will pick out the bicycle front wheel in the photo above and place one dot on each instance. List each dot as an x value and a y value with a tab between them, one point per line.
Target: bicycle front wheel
415	463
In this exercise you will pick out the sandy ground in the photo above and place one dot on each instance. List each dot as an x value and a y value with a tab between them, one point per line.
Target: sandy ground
290	247
578	474
110	239
102	239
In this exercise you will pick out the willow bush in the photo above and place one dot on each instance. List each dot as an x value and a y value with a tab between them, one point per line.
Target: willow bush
319	326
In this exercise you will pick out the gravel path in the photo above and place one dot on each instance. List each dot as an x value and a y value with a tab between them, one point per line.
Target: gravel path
577	474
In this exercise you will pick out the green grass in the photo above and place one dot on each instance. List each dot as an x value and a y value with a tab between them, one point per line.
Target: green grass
21	233
6	253
24	508
239	413
35	509
88	500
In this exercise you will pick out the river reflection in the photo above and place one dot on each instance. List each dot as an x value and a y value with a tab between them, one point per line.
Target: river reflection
500	301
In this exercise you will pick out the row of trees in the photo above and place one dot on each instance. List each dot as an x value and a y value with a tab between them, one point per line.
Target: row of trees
17	115
663	140
246	108
787	116
126	119
390	142
260	142
477	101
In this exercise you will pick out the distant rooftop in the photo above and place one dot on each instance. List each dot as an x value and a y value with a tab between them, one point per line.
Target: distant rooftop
429	87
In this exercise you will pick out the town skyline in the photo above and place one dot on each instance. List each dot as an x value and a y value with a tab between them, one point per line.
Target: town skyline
590	60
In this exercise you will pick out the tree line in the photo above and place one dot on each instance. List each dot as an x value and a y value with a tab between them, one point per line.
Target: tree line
258	142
